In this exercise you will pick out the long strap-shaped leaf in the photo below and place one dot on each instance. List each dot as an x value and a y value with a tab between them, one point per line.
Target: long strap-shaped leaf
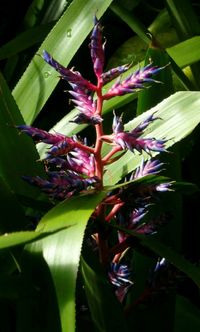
18	154
179	115
39	80
62	250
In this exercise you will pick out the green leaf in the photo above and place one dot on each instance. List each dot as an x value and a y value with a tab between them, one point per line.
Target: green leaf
106	312
9	240
147	180
42	12
11	212
179	115
187	25
62	42
148	98
18	153
186	188
183	17
186	52
62	250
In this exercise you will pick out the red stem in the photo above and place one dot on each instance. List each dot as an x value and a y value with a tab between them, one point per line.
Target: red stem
114	210
106	159
101	236
84	147
99	133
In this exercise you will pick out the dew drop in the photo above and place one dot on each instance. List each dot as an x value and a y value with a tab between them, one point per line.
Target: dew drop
69	33
47	74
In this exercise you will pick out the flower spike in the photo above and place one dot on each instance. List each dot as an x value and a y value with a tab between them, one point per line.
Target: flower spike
119	276
148	167
71	76
139	130
114	72
133	82
62	148
132	141
87	107
40	135
61	185
97	48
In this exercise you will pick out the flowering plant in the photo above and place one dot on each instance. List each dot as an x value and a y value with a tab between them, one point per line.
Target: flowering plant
72	167
98	214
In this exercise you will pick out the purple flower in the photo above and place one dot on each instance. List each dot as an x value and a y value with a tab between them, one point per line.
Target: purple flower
82	162
163	187
61	144
119	276
133	82
41	135
148	167
73	77
117	125
113	73
87	107
128	141
62	148
139	130
77	160
148	190
131	140
130	221
62	185
97	49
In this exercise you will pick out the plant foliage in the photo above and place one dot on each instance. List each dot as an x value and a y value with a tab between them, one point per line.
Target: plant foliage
99	187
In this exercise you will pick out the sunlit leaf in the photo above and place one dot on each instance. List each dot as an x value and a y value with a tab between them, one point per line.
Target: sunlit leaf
62	42
62	250
9	240
186	52
179	115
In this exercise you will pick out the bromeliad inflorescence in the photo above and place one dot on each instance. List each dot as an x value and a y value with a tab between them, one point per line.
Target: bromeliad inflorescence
73	167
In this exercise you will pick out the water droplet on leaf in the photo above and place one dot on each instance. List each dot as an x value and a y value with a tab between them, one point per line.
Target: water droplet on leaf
47	74
69	33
